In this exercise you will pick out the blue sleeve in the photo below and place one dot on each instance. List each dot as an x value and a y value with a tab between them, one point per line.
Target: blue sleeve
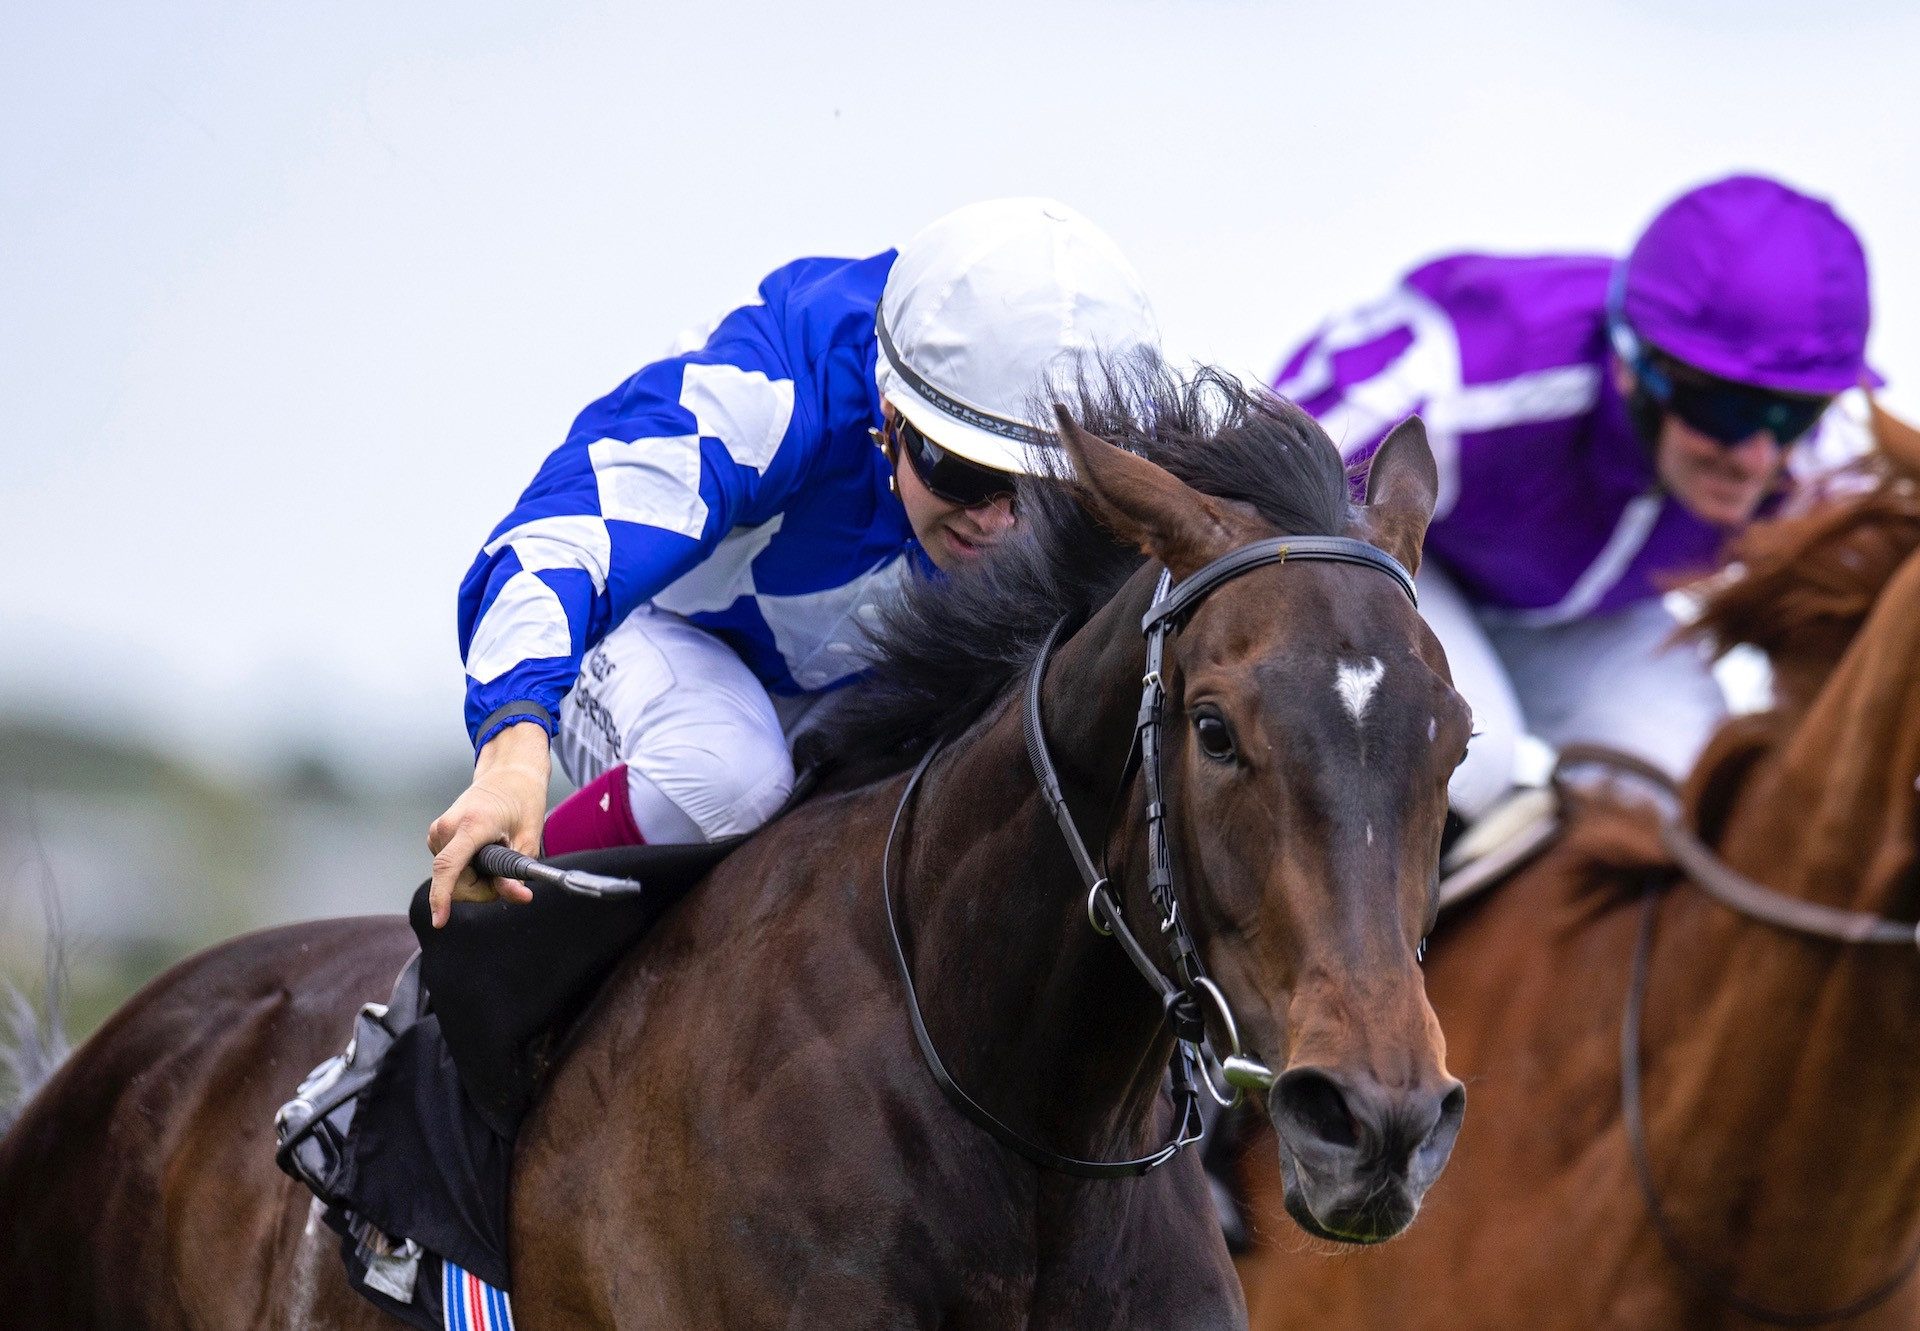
650	479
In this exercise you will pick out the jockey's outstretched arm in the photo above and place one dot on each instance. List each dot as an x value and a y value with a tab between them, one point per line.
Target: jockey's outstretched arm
650	479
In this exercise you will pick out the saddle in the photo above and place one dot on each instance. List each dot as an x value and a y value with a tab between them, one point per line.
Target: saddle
1522	826
406	1138
1509	837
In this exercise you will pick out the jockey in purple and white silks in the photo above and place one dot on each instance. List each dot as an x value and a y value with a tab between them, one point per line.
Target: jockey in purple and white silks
1601	427
699	560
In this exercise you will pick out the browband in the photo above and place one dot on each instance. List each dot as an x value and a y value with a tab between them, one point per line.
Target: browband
1275	550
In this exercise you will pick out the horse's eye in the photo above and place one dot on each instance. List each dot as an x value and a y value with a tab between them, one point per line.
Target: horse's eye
1216	740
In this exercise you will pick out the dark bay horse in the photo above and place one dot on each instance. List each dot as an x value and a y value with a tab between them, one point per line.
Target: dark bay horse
1780	1072
743	1132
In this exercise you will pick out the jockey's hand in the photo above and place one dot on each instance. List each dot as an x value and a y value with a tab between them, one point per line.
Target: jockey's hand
507	802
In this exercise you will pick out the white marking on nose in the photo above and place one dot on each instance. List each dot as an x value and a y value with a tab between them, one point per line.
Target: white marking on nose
1433	728
1369	834
1356	683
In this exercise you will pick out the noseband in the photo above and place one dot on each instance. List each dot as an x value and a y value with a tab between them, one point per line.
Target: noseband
1187	993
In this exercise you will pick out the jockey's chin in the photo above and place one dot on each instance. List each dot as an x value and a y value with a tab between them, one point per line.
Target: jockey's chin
954	549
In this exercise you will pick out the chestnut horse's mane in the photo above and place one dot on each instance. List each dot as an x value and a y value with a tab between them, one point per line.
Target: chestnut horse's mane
1798	588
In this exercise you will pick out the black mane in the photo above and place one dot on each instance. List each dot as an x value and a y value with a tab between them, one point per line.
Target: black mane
948	647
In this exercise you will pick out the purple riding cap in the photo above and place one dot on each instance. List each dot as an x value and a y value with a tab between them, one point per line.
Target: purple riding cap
1751	281
1550	509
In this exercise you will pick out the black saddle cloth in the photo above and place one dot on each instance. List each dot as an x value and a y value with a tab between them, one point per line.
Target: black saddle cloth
431	1150
508	980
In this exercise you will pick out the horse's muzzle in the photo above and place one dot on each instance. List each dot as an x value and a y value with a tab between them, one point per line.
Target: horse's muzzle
1357	1158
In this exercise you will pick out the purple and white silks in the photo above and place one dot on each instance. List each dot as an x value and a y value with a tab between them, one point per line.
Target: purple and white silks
1549	509
1550	522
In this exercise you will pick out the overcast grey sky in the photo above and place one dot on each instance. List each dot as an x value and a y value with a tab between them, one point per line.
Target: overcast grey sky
293	299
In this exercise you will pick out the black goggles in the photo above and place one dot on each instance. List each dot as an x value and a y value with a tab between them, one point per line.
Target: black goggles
948	475
1728	413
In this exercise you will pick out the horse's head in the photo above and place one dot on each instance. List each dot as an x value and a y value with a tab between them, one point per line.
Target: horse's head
1311	729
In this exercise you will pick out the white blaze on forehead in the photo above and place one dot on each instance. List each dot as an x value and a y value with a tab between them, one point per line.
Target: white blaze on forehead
1355	683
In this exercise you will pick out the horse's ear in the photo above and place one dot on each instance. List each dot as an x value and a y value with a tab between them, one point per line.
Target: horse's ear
1144	504
1402	487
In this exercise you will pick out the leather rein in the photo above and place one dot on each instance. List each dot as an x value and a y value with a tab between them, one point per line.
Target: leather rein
1187	993
1755	901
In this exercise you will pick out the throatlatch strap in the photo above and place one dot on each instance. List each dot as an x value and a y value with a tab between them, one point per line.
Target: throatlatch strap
1186	1099
1050	791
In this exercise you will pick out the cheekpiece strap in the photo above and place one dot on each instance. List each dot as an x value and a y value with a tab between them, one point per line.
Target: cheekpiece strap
1103	905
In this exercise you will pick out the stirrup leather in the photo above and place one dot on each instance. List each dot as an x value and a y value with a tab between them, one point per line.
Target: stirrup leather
312	1129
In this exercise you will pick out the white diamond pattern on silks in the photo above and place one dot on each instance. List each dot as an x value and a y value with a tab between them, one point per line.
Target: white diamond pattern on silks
526	622
820	635
724	576
572	540
743	409
654	482
694	336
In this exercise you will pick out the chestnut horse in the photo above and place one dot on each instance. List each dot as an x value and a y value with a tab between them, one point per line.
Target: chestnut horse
1779	1073
743	1132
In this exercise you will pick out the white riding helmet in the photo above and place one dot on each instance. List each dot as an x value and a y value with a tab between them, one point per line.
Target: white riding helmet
985	307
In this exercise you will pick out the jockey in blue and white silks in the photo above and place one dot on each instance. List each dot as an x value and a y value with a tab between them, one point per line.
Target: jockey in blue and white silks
1601	427
734	485
701	557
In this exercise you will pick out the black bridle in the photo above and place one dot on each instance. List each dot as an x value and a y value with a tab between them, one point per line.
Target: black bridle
1186	993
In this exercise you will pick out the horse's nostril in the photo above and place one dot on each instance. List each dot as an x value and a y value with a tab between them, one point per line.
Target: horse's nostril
1315	1103
1425	1116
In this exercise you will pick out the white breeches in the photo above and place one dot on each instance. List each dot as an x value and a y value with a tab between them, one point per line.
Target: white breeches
705	751
1607	679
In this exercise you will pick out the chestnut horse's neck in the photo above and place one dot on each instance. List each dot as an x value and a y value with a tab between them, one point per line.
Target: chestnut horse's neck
1807	1053
1039	1018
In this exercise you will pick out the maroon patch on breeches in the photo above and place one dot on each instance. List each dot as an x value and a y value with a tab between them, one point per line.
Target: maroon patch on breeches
596	816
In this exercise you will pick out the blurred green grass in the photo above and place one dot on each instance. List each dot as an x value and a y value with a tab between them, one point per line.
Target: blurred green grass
142	856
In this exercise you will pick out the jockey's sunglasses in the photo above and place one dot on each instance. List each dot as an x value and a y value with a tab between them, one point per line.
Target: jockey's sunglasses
947	475
1728	413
